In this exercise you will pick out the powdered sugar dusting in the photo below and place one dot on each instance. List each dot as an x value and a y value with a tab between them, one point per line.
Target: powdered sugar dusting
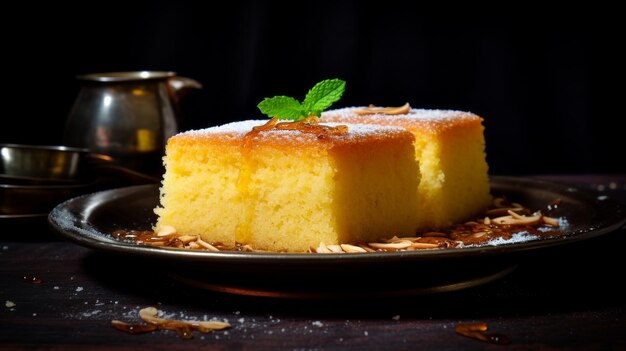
69	222
234	128
422	120
414	114
515	238
237	130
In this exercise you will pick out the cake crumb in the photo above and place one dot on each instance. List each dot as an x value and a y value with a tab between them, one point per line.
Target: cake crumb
10	304
396	317
318	324
56	287
366	333
79	289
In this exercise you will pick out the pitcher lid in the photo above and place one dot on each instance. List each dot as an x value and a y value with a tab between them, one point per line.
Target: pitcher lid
126	76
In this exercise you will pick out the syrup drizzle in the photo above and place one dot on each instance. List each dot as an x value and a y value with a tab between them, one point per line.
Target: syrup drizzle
181	328
184	329
478	331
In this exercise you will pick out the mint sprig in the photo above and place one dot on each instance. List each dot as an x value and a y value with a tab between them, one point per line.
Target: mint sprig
319	98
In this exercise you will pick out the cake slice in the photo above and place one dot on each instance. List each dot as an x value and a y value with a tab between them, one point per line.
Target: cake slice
449	146
289	190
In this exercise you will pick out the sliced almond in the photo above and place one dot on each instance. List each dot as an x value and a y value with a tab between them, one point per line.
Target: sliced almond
352	248
550	221
335	248
322	248
367	248
206	245
185	239
479	235
518	220
424	246
371	110
166	230
396	245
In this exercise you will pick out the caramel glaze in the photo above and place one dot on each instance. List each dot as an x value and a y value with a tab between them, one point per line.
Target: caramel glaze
466	233
183	329
149	238
309	125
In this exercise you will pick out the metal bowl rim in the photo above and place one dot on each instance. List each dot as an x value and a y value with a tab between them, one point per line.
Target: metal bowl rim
46	147
47	187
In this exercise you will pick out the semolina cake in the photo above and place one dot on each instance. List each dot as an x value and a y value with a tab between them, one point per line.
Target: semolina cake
289	190
449	146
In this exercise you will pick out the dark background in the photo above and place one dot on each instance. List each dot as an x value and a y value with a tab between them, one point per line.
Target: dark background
543	80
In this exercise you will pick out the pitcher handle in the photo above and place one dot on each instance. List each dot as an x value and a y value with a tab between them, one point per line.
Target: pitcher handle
182	85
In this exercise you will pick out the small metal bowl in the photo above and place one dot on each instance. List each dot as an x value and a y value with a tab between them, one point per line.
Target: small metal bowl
34	179
31	164
37	199
56	165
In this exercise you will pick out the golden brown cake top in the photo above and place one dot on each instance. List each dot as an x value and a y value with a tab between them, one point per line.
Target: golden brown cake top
234	133
429	121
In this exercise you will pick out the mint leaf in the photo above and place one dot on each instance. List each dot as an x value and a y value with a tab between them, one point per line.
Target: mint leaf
283	107
319	98
322	95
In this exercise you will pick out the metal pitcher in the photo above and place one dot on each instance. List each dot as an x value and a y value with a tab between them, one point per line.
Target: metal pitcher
127	115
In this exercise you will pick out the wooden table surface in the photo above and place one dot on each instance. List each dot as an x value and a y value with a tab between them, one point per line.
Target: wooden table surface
571	298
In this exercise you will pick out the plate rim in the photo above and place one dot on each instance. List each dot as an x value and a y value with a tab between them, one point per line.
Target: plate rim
110	245
24	216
